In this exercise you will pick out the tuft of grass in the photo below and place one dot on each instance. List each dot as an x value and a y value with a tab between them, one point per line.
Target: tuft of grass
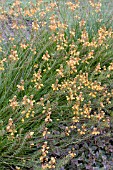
56	89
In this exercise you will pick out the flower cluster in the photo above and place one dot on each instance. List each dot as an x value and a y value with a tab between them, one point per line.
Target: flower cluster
10	128
13	102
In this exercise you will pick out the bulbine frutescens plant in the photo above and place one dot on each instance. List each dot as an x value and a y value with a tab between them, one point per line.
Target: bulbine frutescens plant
56	82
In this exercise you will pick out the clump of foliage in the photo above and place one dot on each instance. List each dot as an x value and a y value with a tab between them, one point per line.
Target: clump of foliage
56	71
